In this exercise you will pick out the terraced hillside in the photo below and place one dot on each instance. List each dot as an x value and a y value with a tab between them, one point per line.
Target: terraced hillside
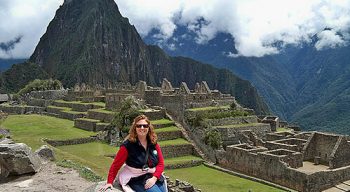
72	133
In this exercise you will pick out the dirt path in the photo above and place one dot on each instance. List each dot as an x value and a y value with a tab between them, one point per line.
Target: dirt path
50	178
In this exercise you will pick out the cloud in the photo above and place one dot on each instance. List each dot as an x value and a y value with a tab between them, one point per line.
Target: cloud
25	19
255	25
7	46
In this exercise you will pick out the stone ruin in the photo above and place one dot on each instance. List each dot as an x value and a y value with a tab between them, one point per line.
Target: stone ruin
305	161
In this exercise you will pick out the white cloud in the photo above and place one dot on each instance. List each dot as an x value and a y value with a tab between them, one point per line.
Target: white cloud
27	19
256	25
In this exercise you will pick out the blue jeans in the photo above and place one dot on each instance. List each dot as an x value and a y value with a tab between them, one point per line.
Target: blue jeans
158	187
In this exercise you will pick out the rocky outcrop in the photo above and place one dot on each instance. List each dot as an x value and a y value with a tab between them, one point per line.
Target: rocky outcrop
17	159
45	153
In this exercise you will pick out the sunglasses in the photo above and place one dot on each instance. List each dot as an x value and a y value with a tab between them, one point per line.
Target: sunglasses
142	125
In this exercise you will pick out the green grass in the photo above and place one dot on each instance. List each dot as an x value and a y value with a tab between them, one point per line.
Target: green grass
208	179
90	120
102	110
92	155
179	160
167	129
178	141
283	129
161	121
62	108
209	108
30	129
102	104
240	125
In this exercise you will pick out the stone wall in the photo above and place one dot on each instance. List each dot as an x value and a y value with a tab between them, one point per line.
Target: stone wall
293	144
232	120
21	109
56	143
49	94
103	117
259	129
276	166
341	154
39	102
86	124
177	150
320	146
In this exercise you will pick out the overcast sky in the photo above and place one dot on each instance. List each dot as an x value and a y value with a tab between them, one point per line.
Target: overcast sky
256	25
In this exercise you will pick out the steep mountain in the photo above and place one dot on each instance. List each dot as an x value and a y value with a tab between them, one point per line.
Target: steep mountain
89	41
7	63
301	84
15	78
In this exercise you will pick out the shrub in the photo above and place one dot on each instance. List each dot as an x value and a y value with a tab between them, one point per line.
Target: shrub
129	109
213	138
41	85
233	105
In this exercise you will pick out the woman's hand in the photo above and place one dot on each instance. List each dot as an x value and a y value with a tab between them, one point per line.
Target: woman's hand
150	182
105	187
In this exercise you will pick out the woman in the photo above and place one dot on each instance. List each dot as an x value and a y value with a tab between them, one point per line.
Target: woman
144	163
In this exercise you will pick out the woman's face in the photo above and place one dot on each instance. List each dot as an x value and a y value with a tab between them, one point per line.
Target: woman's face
142	128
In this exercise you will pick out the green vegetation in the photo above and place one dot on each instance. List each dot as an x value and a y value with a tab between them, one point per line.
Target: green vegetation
209	108
102	110
30	129
41	85
94	155
90	120
101	104
179	160
208	179
178	141
10	82
123	118
167	129
213	138
283	129
239	125
161	121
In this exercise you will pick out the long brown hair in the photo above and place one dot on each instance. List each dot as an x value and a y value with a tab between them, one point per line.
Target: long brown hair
151	135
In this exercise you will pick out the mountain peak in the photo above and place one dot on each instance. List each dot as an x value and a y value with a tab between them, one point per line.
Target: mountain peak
89	41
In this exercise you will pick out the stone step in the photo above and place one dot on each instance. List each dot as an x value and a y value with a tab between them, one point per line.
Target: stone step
176	148
86	124
161	123
154	113
168	133
71	115
101	114
76	141
182	162
77	106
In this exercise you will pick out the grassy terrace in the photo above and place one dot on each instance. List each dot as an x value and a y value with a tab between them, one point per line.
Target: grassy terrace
66	110
30	129
240	125
102	104
208	179
93	155
282	129
102	110
183	159
178	141
167	129
161	122
208	108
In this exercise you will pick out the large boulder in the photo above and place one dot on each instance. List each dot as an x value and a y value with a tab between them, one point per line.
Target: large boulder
17	159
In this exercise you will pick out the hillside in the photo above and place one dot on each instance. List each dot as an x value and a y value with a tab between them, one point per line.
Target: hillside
89	41
302	85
